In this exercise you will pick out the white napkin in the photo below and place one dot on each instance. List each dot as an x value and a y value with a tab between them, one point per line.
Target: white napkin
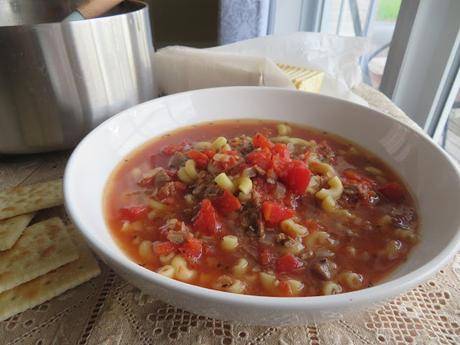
180	69
253	62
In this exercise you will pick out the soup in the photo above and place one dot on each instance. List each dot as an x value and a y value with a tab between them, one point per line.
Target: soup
261	208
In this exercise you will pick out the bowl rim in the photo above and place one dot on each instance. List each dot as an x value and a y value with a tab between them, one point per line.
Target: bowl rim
371	294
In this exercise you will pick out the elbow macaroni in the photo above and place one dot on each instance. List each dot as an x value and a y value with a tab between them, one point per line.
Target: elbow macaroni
331	288
245	184
322	168
226	147
224	182
183	273
290	227
237	287
167	271
335	190
229	243
329	196
166	259
241	267
190	169
290	140
188	173
202	145
295	287
146	250
392	249
283	129
219	143
318	238
268	281
351	279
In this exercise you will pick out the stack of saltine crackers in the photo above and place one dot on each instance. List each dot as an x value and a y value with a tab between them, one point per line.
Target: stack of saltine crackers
42	260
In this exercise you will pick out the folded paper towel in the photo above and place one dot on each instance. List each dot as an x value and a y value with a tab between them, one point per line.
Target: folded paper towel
253	62
180	69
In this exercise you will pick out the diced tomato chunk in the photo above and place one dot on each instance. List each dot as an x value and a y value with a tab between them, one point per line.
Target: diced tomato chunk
280	158
260	140
206	220
266	256
173	148
287	264
163	248
296	176
393	191
133	213
274	213
354	176
227	202
200	158
192	249
209	153
281	150
261	157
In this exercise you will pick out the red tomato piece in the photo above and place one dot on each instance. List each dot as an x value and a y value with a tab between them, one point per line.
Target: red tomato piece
274	213
261	157
260	140
206	220
393	191
281	151
200	158
266	256
133	213
287	264
163	248
173	148
227	202
353	176
209	153
192	249
296	176
280	158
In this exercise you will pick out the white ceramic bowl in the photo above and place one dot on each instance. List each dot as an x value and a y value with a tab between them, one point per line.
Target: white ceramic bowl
430	174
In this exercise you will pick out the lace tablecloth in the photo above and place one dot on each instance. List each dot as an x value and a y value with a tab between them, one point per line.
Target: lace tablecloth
108	310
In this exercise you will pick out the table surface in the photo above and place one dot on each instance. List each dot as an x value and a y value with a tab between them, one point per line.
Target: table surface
108	310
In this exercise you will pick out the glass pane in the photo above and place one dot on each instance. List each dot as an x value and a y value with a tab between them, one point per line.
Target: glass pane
451	138
374	19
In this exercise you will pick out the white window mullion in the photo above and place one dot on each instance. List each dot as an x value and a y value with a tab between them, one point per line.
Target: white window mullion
417	72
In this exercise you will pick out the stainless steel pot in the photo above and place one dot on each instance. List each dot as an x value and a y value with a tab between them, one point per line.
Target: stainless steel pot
59	80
